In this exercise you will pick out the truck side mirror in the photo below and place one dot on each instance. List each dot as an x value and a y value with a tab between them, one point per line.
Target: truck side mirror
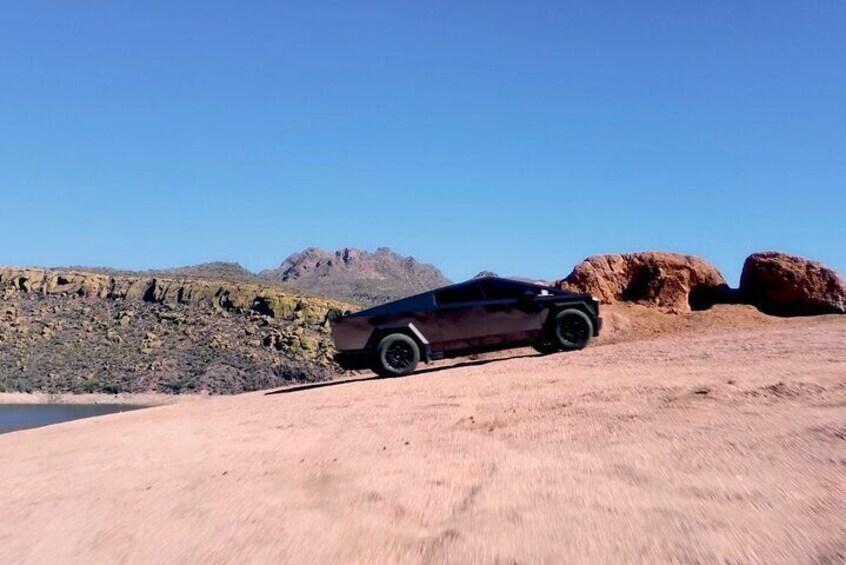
528	296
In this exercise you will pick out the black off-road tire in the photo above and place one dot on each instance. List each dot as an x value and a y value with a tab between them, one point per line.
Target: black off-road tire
571	330
396	355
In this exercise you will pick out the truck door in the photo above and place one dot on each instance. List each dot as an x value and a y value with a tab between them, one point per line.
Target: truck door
457	321
511	312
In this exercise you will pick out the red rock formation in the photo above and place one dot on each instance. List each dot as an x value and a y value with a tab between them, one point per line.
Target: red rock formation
787	285
668	280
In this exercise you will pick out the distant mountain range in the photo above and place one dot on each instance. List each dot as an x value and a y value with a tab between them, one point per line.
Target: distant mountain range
350	274
357	275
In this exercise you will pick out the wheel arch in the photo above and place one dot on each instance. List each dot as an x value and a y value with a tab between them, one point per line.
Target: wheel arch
409	329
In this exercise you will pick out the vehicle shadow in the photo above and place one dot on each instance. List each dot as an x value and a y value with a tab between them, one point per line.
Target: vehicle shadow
474	363
372	377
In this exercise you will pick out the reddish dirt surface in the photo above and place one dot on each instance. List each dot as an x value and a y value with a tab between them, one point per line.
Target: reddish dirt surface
721	442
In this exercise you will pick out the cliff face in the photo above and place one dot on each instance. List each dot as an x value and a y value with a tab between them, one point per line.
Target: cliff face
360	276
73	331
226	295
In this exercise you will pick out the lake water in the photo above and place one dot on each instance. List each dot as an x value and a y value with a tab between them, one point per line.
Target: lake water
15	417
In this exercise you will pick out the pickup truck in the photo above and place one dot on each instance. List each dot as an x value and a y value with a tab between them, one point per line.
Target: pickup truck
480	315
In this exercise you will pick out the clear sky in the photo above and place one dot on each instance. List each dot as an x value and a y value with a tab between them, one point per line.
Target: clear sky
518	137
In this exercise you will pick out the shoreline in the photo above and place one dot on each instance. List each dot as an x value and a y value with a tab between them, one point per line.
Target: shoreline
134	399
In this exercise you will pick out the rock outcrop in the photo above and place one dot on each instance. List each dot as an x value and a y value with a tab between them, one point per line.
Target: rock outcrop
73	331
673	281
356	275
226	295
787	285
218	270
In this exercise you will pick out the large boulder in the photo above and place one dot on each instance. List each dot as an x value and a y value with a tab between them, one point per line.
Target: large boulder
668	280
787	285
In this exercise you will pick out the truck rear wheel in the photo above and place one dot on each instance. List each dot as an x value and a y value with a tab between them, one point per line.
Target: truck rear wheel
572	329
396	355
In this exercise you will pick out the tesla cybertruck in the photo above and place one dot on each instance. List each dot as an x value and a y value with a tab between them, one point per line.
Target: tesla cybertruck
480	315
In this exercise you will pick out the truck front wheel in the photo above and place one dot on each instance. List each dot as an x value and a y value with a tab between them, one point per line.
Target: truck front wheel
572	329
396	355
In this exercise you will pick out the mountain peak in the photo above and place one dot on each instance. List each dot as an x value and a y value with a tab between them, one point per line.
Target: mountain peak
355	274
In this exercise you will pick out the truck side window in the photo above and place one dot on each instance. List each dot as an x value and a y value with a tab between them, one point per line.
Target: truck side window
502	290
459	294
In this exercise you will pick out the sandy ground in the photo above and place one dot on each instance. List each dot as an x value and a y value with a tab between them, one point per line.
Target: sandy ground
700	447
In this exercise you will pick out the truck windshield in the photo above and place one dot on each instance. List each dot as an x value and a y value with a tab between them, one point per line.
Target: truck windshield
459	294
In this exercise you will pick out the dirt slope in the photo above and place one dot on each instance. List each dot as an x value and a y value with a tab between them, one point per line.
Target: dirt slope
703	447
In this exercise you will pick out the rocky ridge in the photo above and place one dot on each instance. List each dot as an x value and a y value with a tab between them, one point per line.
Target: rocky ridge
71	331
215	270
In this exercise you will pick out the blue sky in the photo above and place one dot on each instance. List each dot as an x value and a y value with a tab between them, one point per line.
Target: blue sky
518	137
